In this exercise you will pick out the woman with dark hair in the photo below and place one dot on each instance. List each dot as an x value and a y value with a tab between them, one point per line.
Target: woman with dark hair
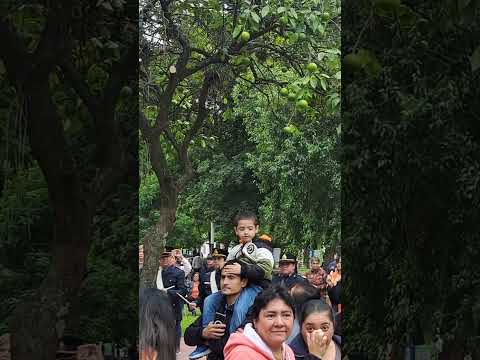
316	340
156	321
263	338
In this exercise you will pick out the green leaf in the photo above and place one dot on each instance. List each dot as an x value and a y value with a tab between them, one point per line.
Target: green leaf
238	29
313	82
281	9
475	59
293	13
265	11
338	75
255	17
323	84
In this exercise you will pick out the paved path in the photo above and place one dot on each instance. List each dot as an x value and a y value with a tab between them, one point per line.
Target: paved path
185	350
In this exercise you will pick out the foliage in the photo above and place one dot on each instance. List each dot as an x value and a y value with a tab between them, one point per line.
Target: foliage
239	153
75	81
410	177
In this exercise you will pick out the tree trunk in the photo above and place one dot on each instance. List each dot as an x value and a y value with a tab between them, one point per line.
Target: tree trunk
154	241
38	323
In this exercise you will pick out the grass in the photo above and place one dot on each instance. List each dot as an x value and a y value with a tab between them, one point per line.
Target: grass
188	318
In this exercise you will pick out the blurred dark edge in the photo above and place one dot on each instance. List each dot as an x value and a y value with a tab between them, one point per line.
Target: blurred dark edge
69	179
410	179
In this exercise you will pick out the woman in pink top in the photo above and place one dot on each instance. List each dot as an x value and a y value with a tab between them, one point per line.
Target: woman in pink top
264	338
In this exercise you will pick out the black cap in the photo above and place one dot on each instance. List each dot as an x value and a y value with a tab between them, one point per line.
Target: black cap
166	254
288	258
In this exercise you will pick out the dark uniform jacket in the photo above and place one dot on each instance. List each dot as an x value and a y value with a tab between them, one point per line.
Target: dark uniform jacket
288	281
193	333
173	276
204	288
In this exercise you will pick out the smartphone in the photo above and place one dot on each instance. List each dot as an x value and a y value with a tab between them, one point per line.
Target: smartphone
220	318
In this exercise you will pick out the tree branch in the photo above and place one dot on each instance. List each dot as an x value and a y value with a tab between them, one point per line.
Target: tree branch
14	54
171	139
53	41
79	85
201	112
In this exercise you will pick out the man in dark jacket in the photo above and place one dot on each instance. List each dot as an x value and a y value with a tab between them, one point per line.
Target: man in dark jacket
288	276
172	280
204	287
217	334
210	281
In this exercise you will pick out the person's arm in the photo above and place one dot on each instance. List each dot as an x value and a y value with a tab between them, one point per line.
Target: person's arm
253	272
193	333
186	266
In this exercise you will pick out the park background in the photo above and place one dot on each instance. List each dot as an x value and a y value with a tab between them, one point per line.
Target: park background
240	109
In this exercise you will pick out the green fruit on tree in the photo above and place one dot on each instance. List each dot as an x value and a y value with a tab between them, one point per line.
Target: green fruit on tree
353	61
284	91
288	129
302	104
302	36
326	15
312	67
388	5
245	36
246	61
292	96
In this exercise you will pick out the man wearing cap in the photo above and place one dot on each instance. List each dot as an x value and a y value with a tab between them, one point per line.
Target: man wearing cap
172	280
288	276
210	281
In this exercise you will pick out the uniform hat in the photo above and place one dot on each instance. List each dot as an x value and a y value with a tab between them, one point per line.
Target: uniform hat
219	253
288	258
166	254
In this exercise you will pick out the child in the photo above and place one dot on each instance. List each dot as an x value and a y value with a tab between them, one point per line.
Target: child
256	261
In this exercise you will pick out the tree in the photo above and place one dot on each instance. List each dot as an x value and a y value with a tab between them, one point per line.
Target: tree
407	180
47	55
190	64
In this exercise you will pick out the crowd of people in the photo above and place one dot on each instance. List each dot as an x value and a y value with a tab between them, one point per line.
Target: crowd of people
247	310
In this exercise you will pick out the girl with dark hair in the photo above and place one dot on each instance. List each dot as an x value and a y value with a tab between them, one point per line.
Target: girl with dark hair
263	338
301	293
316	340
156	321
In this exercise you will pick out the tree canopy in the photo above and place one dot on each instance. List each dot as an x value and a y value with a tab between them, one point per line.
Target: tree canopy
240	108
